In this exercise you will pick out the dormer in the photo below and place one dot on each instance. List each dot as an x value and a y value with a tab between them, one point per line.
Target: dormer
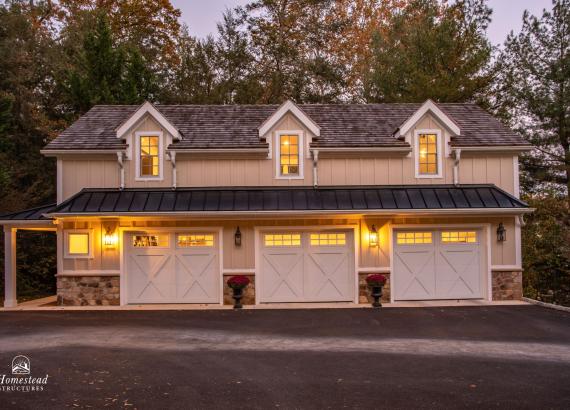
289	132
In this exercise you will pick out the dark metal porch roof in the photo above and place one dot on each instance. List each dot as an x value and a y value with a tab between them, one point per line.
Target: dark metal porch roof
287	199
33	214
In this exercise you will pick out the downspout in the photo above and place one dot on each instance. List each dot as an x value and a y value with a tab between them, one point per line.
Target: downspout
121	169
315	168
457	157
172	156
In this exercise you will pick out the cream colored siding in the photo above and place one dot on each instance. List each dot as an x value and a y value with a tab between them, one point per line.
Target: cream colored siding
97	172
243	257
491	169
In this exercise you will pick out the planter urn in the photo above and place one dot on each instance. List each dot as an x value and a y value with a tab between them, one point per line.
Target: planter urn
237	295
376	282
238	284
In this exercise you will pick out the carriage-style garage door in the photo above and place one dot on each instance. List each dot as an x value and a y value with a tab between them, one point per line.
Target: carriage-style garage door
300	266
438	264
165	267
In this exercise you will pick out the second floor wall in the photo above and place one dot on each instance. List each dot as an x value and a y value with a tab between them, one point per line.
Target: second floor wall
79	171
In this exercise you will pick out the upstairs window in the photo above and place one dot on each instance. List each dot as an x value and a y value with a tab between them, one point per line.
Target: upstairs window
149	155
289	161
428	155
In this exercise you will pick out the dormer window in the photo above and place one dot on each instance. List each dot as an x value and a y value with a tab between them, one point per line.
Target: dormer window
428	153
149	155
290	155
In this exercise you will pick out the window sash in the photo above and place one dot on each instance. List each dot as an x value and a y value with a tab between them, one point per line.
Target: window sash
428	154
289	155
149	156
459	237
413	238
282	239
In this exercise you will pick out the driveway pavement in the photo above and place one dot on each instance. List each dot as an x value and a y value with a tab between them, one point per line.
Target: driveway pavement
468	357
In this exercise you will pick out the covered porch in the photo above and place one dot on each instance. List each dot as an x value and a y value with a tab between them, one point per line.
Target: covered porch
28	220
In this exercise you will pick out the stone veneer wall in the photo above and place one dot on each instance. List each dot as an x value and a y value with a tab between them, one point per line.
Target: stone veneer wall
248	294
507	285
364	291
88	291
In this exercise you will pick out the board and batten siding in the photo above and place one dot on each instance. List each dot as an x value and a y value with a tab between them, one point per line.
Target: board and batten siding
243	257
96	172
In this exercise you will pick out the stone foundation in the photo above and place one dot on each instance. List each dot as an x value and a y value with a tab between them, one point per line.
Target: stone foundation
88	291
364	291
248	294
507	285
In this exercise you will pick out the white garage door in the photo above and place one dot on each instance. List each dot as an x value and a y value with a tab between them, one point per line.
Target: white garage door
438	264
172	267
307	266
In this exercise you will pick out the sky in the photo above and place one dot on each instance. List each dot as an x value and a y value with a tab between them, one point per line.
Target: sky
201	16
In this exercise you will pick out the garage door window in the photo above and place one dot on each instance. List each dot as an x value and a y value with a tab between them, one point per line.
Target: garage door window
150	241
459	237
412	238
189	241
292	239
328	239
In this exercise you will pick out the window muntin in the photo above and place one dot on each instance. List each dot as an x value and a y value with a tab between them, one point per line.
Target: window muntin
328	239
428	154
289	155
459	237
149	156
282	239
150	241
194	240
413	238
78	244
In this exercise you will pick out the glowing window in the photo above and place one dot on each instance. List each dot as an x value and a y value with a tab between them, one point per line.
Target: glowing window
412	238
78	244
189	241
150	241
149	156
459	237
285	239
289	154
427	145
321	239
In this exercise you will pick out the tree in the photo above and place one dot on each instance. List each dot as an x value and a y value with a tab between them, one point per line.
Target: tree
431	50
533	95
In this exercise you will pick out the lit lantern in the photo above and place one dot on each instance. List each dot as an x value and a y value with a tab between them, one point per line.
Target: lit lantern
501	233
110	239
373	236
237	237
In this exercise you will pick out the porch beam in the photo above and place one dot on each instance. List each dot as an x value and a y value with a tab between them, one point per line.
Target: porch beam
10	297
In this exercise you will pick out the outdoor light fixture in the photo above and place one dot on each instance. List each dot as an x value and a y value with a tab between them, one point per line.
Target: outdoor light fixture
237	237
501	233
110	239
373	236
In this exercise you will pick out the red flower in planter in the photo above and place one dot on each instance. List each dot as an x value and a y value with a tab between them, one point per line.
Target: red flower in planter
238	282
376	280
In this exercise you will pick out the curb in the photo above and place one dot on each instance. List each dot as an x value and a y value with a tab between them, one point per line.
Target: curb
547	305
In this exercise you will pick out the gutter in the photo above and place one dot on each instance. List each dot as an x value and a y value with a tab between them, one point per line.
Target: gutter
457	157
121	169
172	157
54	153
315	167
354	212
220	150
496	148
363	149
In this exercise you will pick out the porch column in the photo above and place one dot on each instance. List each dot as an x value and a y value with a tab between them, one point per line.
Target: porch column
10	267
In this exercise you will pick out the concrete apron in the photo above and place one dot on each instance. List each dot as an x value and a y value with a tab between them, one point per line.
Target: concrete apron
47	304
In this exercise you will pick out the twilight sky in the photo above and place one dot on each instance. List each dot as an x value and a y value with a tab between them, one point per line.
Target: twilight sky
201	16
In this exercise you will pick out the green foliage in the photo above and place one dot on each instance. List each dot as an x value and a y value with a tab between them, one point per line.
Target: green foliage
430	50
546	250
533	95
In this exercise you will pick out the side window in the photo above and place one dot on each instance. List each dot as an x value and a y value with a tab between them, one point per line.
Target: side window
428	154
289	158
78	243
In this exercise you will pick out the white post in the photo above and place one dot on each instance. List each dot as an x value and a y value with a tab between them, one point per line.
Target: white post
10	267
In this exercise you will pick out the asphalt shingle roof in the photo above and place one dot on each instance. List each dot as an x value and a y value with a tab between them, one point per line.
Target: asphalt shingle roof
236	126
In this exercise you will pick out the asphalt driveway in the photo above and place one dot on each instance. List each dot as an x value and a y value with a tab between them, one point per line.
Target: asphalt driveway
474	357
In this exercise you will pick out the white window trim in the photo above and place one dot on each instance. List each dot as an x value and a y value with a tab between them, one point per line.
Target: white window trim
138	136
277	144
417	133
66	253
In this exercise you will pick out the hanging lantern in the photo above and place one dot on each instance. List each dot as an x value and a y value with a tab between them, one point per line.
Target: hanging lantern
110	238
237	237
501	233
373	236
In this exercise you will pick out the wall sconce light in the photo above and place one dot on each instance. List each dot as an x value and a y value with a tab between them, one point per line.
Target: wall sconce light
237	237
110	239
501	233
373	236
